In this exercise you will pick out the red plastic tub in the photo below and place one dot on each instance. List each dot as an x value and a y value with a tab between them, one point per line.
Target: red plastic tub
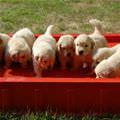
61	91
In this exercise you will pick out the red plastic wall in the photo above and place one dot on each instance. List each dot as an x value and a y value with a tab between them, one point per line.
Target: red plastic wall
61	91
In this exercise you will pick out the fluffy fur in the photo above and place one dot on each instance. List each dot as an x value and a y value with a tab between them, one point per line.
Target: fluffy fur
17	50
84	46
27	34
97	35
104	53
4	38
19	47
44	52
66	51
109	67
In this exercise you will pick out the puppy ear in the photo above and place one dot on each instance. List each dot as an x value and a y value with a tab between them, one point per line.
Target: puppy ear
58	46
92	43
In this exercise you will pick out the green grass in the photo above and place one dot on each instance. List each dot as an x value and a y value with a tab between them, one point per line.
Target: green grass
49	116
69	16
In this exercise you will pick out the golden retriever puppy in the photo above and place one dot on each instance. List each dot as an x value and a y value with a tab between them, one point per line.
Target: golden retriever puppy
97	36
109	67
104	53
84	46
66	51
4	38
19	47
17	50
27	34
44	52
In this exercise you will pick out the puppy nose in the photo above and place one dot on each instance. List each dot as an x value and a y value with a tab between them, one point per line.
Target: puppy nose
81	52
14	56
69	54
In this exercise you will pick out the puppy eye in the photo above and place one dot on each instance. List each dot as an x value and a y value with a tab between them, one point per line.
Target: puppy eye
97	62
63	48
86	45
37	58
45	61
22	56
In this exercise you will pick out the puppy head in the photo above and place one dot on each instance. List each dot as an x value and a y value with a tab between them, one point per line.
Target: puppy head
104	70
43	61
100	54
23	57
66	46
14	55
19	56
83	45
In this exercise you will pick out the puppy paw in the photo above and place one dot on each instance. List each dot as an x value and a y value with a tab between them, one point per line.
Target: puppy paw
85	65
38	75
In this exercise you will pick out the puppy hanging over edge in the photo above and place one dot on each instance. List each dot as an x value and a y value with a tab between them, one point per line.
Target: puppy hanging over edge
19	47
44	52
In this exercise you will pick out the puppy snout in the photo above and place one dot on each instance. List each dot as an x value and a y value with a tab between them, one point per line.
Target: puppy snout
81	52
14	56
69	54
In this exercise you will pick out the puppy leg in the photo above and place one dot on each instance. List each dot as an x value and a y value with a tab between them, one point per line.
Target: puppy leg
52	62
85	65
97	77
8	61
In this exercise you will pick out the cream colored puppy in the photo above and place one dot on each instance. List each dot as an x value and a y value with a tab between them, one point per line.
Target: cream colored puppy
4	38
19	47
109	67
66	51
84	46
27	34
104	53
97	35
17	50
44	52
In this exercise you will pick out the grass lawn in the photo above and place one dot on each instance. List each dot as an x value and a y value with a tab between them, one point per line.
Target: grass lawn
69	16
48	116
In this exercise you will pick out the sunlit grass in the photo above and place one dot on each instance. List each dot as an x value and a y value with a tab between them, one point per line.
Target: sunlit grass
69	16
